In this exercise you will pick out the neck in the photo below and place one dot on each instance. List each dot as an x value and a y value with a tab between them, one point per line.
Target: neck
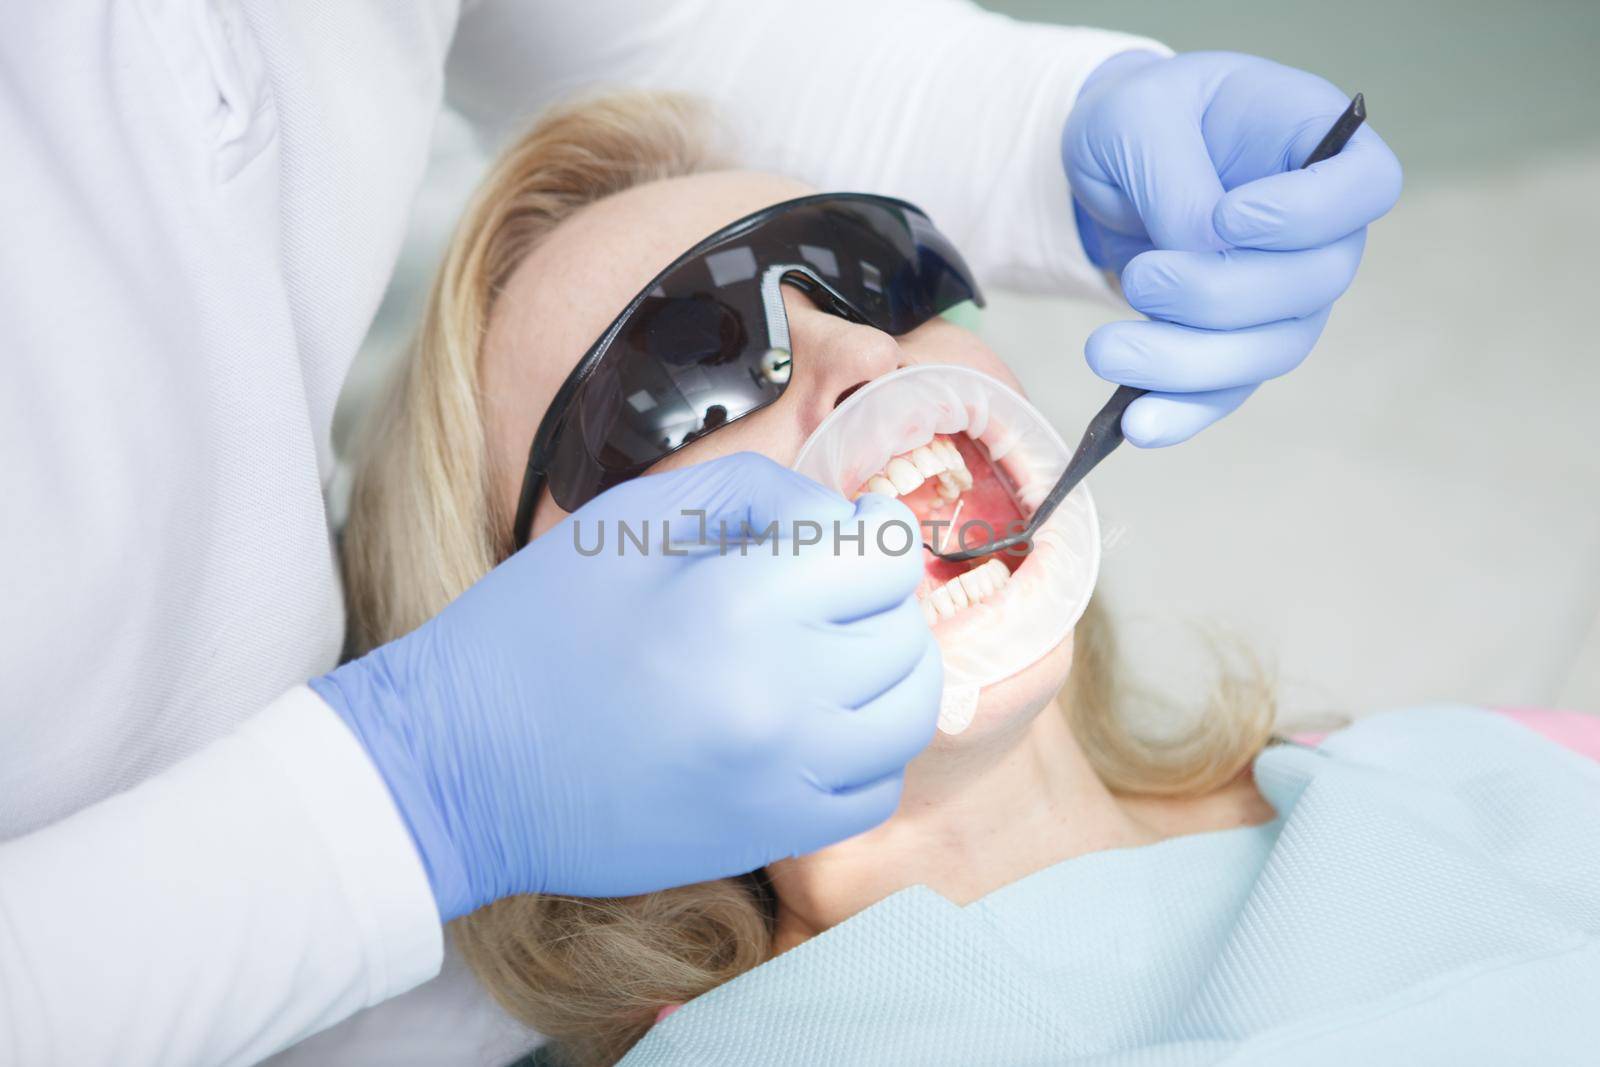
975	815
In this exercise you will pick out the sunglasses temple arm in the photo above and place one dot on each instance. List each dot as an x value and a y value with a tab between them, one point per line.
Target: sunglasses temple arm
772	304
1099	441
522	525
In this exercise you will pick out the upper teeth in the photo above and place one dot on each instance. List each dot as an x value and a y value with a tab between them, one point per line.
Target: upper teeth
906	472
964	590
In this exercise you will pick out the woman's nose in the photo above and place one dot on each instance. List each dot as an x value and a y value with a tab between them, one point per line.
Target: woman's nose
833	356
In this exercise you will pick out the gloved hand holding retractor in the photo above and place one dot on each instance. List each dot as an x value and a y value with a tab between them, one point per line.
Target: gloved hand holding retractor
1185	182
525	758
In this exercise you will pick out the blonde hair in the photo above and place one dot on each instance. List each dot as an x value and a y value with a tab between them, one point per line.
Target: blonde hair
423	526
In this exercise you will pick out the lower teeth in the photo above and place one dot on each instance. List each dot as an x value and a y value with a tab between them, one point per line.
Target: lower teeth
971	587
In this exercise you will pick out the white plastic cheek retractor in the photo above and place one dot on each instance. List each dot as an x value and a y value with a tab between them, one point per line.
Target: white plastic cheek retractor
1047	595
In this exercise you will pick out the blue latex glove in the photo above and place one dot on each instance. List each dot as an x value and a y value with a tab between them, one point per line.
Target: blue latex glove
605	725
1185	181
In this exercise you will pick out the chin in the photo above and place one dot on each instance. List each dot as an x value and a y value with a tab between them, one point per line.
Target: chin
1008	707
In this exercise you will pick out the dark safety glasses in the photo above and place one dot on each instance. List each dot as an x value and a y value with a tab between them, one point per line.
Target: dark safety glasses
707	342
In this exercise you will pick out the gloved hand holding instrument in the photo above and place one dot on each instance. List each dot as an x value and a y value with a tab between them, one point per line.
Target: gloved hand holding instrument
1107	429
1188	182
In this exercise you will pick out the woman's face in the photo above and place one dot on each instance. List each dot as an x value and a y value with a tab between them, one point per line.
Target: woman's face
570	288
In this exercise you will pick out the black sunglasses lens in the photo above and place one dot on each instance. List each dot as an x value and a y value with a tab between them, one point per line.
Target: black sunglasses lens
696	352
676	369
684	330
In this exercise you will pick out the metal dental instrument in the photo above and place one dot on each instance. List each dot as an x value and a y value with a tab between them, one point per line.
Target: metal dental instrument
1105	429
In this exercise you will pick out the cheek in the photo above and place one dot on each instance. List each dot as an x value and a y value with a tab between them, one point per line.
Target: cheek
995	367
943	342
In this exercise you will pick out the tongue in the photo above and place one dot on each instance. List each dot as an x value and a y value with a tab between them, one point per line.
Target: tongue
982	514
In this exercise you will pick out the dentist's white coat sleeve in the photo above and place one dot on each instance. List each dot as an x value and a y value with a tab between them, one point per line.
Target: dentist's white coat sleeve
257	892
938	101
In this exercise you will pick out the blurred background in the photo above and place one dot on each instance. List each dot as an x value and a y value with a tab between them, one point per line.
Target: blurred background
1414	514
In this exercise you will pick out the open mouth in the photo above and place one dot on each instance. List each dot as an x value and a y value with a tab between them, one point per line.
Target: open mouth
961	500
972	460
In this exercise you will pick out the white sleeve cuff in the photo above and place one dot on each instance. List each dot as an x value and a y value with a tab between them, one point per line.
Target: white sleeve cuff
253	894
368	846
